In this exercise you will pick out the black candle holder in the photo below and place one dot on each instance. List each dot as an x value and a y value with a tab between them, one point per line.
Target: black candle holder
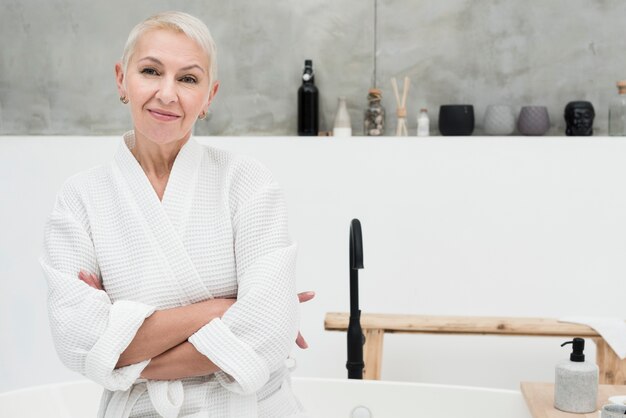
456	120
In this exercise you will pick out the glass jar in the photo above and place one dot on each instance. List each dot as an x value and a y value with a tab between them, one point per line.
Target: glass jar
374	120
617	112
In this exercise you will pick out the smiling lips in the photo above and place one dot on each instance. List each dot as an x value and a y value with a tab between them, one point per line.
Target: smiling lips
163	115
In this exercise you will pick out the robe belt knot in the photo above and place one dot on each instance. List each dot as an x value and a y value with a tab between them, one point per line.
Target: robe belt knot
166	395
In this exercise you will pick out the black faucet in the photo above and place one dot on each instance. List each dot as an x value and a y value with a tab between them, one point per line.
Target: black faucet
356	339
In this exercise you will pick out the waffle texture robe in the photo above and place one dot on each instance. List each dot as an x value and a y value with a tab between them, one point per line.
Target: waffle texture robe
219	231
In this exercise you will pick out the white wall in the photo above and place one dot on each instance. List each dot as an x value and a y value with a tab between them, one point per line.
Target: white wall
451	226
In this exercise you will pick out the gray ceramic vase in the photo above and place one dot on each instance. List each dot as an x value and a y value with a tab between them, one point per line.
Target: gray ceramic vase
499	120
533	120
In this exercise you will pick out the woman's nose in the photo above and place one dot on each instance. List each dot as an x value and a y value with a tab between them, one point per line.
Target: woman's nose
167	91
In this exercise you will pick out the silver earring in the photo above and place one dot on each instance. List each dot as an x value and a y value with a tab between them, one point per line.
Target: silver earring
202	116
124	99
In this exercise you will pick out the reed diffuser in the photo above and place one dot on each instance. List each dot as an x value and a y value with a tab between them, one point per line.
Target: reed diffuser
401	103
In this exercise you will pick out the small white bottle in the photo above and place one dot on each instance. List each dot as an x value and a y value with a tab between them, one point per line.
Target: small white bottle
342	125
423	123
576	382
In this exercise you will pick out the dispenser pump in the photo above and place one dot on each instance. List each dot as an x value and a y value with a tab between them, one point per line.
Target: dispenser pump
578	346
576	381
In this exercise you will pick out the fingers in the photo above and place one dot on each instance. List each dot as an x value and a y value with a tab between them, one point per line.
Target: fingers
97	281
301	342
306	296
90	279
85	277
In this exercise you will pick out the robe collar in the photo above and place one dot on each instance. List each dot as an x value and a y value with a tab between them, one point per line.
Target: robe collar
167	219
181	184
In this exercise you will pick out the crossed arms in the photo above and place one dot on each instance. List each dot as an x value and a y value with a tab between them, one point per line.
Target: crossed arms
163	337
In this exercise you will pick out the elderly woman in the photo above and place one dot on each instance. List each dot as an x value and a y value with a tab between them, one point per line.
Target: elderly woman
171	272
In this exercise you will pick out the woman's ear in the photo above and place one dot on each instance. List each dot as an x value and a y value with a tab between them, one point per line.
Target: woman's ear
213	92
119	79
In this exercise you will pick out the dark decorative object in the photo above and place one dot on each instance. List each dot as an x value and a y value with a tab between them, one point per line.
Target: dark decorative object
533	120
579	118
456	120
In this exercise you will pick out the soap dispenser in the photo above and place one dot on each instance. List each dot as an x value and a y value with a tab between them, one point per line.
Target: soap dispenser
576	381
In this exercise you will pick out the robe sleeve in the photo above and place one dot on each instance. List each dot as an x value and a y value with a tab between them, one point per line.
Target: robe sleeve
89	332
255	335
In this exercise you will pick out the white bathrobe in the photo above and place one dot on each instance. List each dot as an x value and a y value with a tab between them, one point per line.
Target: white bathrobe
219	231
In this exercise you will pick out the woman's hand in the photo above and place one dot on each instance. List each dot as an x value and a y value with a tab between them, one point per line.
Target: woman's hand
303	297
91	279
95	282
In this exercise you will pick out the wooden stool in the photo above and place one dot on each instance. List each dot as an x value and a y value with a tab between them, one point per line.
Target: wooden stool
612	368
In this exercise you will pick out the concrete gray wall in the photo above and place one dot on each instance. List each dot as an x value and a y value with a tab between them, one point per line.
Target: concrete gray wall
57	58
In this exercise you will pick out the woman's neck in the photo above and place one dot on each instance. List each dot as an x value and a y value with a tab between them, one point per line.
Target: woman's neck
157	160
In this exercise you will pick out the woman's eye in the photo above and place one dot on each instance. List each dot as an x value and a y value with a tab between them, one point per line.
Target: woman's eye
188	79
149	71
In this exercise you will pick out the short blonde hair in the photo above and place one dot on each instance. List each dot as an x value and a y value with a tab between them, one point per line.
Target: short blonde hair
179	22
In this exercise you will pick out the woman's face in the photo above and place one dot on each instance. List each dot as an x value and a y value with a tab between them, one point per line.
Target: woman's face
167	85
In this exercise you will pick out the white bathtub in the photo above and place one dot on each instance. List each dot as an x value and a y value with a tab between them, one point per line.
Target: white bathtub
323	398
338	398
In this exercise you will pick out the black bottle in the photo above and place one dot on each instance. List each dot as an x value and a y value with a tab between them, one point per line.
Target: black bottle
308	122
